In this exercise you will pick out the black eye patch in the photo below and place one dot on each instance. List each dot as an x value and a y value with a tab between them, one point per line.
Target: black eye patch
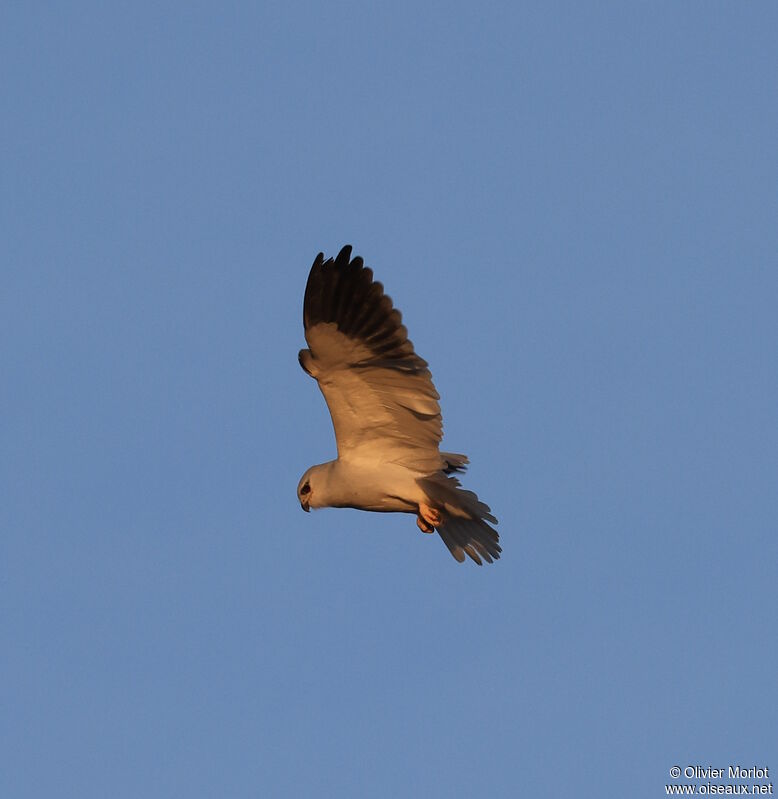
306	489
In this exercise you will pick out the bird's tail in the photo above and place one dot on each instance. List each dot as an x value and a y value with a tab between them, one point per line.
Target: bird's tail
463	527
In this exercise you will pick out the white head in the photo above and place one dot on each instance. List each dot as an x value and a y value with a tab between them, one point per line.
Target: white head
309	489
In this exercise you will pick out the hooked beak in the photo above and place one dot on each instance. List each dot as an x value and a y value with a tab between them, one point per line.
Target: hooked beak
304	505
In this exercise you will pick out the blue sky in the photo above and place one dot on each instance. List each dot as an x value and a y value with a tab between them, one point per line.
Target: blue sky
574	206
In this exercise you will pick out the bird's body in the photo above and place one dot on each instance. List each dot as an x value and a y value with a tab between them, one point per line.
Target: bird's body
385	412
367	485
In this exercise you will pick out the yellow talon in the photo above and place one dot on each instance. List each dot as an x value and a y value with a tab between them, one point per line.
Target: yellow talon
429	515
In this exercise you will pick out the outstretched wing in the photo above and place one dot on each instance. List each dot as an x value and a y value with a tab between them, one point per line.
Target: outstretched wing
378	390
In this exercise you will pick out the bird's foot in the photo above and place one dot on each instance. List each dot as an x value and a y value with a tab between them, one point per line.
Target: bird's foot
423	526
429	518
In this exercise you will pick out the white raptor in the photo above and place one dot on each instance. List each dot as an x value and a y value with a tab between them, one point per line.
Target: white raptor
385	412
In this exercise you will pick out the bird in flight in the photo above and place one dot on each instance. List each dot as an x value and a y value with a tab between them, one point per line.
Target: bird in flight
385	412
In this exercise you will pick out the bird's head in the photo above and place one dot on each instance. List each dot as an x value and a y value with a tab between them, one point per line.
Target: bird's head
305	489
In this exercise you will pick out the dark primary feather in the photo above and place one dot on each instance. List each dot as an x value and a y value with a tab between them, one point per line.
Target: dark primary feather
378	390
343	292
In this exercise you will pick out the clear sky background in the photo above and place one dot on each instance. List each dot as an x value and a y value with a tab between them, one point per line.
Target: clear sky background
575	208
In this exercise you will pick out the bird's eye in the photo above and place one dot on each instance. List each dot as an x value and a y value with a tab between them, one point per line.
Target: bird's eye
306	489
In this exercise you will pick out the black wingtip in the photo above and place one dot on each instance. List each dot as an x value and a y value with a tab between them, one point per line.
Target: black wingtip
342	291
344	256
